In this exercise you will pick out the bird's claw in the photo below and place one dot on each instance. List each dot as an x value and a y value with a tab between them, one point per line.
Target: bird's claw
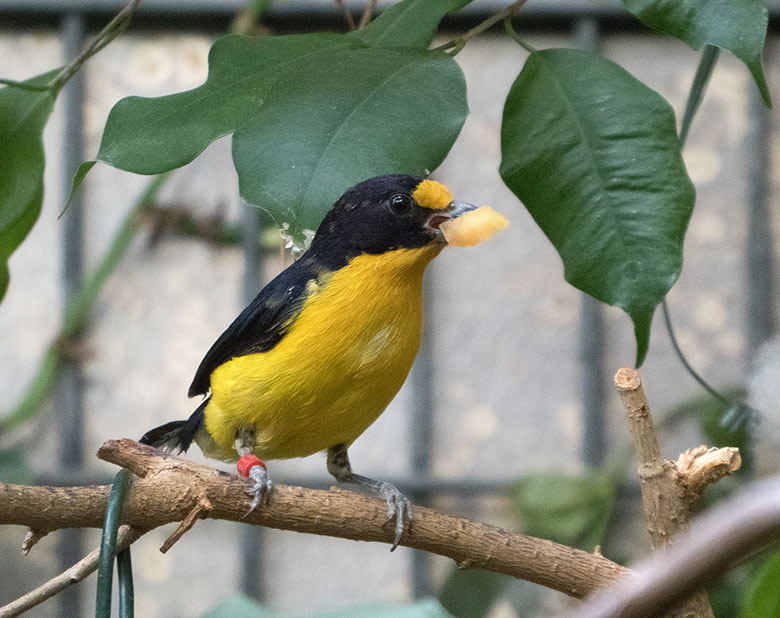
261	488
398	507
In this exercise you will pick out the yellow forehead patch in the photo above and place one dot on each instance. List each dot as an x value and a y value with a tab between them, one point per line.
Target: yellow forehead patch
432	194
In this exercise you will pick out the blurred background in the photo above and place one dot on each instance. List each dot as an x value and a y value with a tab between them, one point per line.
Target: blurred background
509	416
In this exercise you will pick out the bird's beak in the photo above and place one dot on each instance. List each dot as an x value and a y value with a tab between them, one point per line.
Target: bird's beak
452	211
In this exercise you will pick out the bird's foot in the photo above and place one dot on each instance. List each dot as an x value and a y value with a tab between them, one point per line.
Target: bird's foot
398	507
253	468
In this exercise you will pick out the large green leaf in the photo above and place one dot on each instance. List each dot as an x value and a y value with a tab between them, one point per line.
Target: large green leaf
738	26
155	135
344	116
410	23
594	156
310	115
762	599
568	509
23	116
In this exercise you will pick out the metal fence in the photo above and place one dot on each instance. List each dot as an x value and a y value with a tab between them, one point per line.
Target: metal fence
587	25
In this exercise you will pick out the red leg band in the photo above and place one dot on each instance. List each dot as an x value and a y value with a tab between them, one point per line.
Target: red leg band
247	462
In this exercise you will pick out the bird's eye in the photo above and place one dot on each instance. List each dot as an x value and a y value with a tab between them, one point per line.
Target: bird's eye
400	203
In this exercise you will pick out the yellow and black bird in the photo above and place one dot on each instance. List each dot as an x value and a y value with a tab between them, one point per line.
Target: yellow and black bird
321	351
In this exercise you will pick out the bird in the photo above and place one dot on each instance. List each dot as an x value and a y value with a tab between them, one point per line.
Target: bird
324	347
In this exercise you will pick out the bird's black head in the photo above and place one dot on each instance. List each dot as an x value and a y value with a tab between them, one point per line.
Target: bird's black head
386	213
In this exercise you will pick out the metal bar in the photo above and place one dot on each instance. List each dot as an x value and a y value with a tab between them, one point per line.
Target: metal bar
759	249
591	328
211	15
70	397
252	537
421	435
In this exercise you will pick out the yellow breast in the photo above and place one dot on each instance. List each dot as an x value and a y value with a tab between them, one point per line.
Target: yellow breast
338	367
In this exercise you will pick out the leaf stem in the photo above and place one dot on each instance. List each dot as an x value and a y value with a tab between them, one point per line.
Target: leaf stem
707	63
694	374
457	44
703	73
510	30
114	28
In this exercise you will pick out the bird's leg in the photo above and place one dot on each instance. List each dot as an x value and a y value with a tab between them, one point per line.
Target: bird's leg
398	505
252	467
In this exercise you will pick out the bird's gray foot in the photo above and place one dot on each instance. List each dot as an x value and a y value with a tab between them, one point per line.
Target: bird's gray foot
253	468
398	507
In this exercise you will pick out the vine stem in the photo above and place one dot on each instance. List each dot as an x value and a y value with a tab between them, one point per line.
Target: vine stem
514	35
704	71
77	312
457	44
114	28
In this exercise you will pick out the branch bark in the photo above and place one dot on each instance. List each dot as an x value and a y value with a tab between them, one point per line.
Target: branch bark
170	489
716	542
666	512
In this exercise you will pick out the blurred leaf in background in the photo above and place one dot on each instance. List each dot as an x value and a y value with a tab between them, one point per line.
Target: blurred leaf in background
244	607
15	466
569	509
23	116
762	598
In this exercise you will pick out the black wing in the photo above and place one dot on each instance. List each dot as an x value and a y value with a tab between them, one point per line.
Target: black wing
260	326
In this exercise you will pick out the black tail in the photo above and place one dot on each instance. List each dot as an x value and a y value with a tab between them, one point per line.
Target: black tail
176	436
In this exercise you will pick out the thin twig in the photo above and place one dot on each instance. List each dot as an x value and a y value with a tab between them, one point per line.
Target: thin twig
201	509
368	12
459	43
349	18
73	575
113	29
665	512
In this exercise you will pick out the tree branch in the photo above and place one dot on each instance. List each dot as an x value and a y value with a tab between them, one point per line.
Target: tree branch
716	542
665	510
169	489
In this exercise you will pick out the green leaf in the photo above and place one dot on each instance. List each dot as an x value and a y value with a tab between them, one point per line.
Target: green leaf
471	593
410	23
239	605
23	116
594	156
762	599
155	135
246	608
426	608
81	173
344	116
15	466
310	115
738	26
718	434
573	510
